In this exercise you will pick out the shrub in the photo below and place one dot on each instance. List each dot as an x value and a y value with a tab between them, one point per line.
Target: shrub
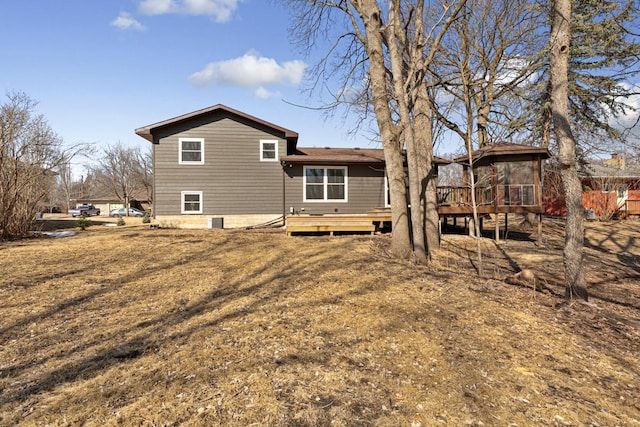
146	219
121	221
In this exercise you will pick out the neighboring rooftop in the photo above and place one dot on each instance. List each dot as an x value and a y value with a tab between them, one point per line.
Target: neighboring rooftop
615	167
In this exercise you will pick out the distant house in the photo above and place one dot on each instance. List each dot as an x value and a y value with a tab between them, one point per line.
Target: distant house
222	168
610	189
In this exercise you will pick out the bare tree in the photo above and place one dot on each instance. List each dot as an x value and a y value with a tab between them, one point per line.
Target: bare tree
117	171
65	183
30	152
390	43
559	71
144	178
493	50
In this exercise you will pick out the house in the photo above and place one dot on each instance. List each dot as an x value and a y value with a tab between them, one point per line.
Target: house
611	188
222	168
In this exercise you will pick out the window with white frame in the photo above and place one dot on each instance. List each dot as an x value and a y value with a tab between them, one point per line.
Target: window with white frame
191	151
325	184
191	202
269	150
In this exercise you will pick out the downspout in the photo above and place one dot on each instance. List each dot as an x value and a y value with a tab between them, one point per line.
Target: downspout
153	190
284	193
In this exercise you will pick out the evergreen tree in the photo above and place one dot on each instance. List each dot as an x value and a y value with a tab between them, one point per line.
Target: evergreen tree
604	53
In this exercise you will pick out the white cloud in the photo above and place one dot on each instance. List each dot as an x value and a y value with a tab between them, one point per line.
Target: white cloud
263	93
125	22
220	10
630	117
512	69
249	70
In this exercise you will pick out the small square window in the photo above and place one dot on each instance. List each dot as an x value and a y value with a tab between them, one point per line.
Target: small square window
191	151
269	150
191	202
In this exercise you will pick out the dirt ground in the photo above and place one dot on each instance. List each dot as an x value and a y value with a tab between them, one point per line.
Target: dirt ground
155	327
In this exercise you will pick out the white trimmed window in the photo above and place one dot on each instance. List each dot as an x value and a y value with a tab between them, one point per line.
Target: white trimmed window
191	151
268	150
191	202
325	184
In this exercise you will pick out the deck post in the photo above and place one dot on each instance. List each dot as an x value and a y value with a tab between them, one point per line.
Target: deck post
497	233
539	229
506	225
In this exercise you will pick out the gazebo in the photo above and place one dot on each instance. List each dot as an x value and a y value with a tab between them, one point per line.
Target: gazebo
508	179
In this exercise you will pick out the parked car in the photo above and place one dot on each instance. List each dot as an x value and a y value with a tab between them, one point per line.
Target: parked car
132	212
88	210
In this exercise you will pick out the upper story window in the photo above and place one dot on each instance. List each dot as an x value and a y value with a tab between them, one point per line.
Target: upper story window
325	184
191	151
268	150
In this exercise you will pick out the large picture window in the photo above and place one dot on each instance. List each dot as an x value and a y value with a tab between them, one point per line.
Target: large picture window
269	150
325	184
191	202
191	151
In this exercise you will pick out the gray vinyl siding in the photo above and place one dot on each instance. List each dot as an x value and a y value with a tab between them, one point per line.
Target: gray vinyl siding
232	179
366	191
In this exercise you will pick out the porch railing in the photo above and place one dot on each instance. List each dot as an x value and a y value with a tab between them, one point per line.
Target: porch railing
461	196
507	195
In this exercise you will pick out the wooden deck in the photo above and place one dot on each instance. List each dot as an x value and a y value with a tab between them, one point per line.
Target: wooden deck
330	223
452	202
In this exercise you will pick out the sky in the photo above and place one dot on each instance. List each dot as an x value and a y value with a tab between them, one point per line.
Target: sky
100	69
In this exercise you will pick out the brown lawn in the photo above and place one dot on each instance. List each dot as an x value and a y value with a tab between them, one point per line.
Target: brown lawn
135	326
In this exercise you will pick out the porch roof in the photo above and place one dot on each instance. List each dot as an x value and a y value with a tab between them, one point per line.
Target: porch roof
504	149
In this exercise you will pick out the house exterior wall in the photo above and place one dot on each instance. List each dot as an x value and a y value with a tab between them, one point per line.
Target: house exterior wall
365	190
233	180
603	203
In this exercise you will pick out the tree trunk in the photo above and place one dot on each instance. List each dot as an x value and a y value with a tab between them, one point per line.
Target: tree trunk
574	232
423	125
400	241
399	72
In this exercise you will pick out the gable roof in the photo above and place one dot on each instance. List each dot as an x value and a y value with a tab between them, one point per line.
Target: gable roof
330	155
147	131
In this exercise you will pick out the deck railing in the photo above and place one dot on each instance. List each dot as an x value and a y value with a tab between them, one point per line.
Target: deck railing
461	196
507	195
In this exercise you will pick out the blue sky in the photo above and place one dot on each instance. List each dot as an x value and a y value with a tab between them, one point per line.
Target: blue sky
100	69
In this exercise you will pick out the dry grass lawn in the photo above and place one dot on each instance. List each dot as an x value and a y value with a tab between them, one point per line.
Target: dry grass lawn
135	326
